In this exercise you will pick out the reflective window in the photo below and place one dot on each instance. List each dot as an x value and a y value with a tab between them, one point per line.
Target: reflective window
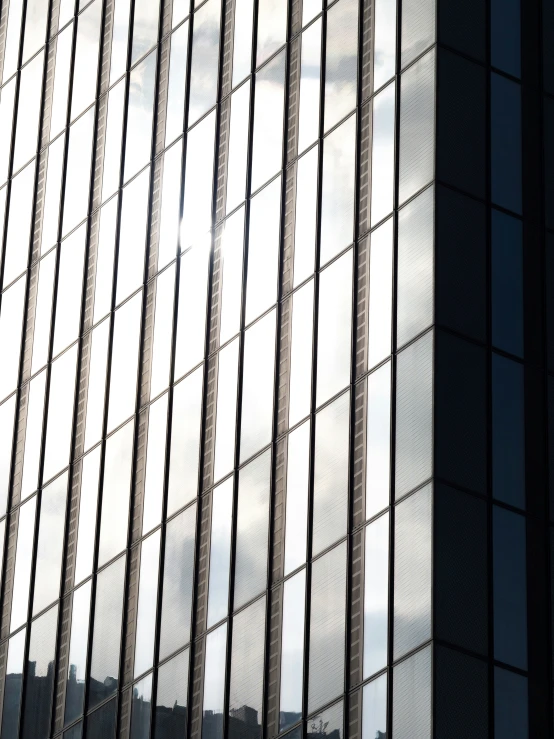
376	595
378	440
155	464
60	413
177	582
86	58
146	14
163	332
52	195
76	732
28	112
334	328
263	251
296	512
327	625
33	435
511	704
11	325
268	120
97	383
292	650
310	85
69	290
247	672
220	552
224	453
238	147
384	44
88	505
508	431
40	676
77	181
177	83
120	39
105	260
252	533
171	697
13	37
341	61
147	599
417	123
242	45
232	254
412	680
125	350
300	383
7	98
106	639
197	206
7	418
49	554
112	144
23	563
191	310
382	154
338	191
374	709
132	236
101	723
138	136
204	63
12	686
272	28
16	252
141	708
509	588
64	43
506	36
330	504
36	16
115	493
43	311
257	386
412	571
327	723
305	221
214	683
171	204
418	28
506	162
185	442
507	283
380	293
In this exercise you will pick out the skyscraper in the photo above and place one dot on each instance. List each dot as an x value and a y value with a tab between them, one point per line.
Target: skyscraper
276	356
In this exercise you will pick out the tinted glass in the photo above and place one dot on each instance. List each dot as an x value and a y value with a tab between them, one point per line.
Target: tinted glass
327	723
75	686
50	543
147	599
226	409
191	319
376	595
305	216
507	283
64	44
510	704
170	718
296	511
40	676
506	143
19	222
341	61
292	650
220	552
412	680
7	95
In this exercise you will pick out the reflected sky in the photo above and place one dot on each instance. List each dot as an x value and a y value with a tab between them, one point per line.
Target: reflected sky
163	331
341	61
125	350
384	52
296	515
147	600
376	595
155	464
204	66
292	645
310	84
300	383
86	58
268	121
220	552
176	86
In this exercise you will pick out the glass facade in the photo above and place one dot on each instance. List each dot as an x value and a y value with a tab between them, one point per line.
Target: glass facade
276	329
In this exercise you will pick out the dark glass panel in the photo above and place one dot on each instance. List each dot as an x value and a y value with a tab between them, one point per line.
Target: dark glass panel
328	723
12	685
507	283
506	143
511	705
40	676
141	708
75	686
101	723
170	718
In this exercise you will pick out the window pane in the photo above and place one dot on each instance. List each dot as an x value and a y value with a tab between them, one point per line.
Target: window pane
120	37
132	236
155	464
50	543
334	328
141	708
374	709
327	625
12	688
310	86
292	650
220	552
257	386
33	435
138	139
509	588
328	723
171	204
70	288
11	324
185	442
28	112
300	383
305	222
16	253
412	571
506	36
112	145
508	431
384	44
506	143
380	293
146	14
171	697
147	599
60	413
106	640
40	676
242	45
247	673
11	48
105	260
88	505
77	181
382	154
64	43
177	582
7	418
418	28
238	147
296	516
330	504
97	383
272	28
232	254
268	121
378	440
252	530
23	562
417	124
36	16
86	58
43	311
177	84
507	283
7	98
214	683
376	595
115	495
197	206
52	195
204	64
125	350
224	454
101	723
191	316
263	251
75	686
412	681
511	707
338	192
341	61
163	332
